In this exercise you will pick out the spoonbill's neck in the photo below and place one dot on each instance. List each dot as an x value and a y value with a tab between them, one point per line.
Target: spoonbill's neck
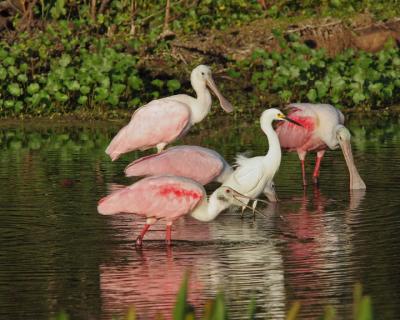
274	154
203	102
209	210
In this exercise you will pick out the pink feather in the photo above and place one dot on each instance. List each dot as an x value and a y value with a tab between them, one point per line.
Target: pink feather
200	164
160	197
160	121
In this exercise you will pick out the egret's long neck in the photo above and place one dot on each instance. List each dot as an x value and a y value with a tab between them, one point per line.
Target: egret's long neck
203	105
209	210
274	155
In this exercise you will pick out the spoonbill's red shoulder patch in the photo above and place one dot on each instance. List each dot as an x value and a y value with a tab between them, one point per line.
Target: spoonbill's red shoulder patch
179	192
307	122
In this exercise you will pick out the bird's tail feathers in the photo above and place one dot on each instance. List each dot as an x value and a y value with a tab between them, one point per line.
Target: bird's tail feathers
241	159
113	149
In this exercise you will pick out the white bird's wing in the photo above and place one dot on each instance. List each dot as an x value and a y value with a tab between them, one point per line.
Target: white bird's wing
247	174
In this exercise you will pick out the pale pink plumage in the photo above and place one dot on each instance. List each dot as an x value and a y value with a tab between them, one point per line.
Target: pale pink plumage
322	128
297	138
200	164
160	121
158	197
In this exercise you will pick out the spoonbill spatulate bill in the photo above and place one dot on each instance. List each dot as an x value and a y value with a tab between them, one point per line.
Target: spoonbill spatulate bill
198	163
322	128
254	176
168	198
162	121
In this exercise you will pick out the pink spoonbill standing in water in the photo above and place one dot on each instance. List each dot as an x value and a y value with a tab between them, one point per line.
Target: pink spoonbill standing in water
168	198
162	121
322	128
201	164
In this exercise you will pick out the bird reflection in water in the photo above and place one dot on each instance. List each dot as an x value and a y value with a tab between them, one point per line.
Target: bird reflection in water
318	250
227	254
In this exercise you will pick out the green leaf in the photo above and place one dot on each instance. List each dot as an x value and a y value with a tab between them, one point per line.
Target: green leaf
118	88
181	305
358	97
73	85
3	73
9	61
33	88
158	83
285	95
9	103
61	97
22	78
101	94
65	60
14	89
113	99
13	71
82	100
293	311
135	82
18	106
322	89
173	85
375	88
84	89
312	95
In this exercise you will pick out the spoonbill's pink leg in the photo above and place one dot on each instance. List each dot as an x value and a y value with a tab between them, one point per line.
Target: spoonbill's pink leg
168	234
320	155
302	156
139	239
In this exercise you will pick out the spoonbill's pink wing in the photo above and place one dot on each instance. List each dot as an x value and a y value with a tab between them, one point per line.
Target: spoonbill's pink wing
161	197
200	164
159	121
293	137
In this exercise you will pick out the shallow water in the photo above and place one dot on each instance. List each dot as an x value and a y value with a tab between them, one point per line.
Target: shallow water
57	253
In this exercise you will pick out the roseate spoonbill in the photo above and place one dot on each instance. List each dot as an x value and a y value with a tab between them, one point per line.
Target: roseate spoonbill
322	128
198	163
167	197
162	121
255	175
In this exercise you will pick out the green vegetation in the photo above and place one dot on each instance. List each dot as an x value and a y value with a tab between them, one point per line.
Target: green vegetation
217	309
350	79
72	56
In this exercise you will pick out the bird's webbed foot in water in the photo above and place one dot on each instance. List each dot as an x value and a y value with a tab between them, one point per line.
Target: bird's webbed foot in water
315	180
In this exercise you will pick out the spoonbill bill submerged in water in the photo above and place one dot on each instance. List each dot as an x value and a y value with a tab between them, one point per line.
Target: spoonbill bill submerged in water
322	128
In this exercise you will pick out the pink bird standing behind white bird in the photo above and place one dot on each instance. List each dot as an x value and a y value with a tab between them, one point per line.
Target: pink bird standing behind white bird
322	128
162	121
198	163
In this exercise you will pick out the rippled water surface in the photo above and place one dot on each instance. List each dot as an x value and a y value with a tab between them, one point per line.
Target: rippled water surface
57	253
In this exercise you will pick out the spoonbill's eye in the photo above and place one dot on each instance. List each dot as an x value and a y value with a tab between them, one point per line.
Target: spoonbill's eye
228	191
202	73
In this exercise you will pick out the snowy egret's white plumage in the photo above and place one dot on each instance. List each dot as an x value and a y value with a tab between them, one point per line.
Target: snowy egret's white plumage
254	176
